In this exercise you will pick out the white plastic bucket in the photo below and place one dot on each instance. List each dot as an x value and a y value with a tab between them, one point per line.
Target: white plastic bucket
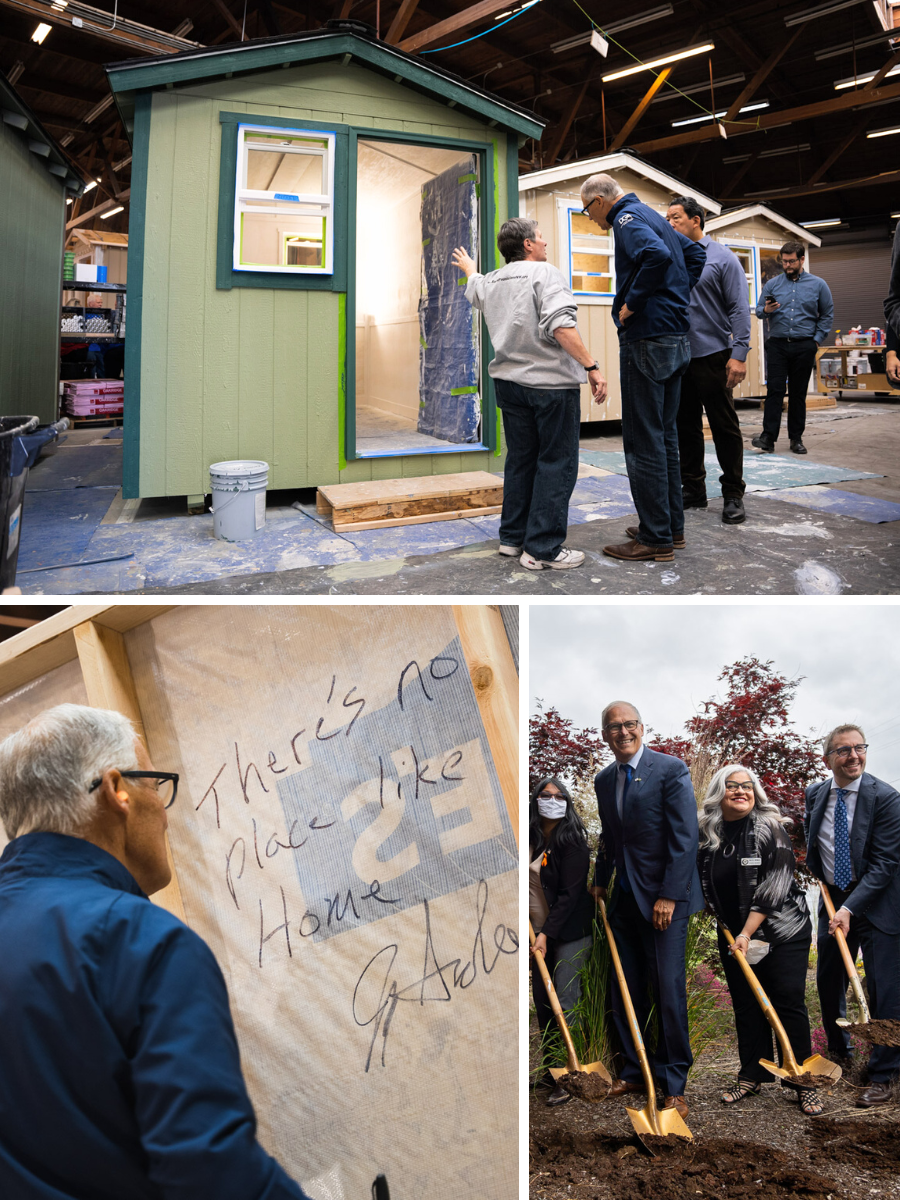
239	498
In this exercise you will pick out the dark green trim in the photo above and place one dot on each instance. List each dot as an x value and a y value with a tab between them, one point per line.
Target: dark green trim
226	276
342	377
347	448
512	178
206	64
131	449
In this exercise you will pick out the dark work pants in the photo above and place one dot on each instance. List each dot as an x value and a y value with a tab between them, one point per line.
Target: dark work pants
881	957
653	963
564	962
782	976
789	365
703	387
541	429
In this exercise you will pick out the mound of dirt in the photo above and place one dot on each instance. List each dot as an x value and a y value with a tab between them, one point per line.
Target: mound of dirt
584	1085
807	1080
857	1143
880	1033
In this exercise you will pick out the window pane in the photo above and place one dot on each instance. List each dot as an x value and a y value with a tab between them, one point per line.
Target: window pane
278	170
592	283
281	240
591	262
584	225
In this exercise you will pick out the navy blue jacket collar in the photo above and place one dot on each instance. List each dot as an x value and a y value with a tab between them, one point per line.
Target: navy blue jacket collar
41	854
621	205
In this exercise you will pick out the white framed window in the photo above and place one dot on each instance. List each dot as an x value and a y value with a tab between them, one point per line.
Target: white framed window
587	254
284	201
748	256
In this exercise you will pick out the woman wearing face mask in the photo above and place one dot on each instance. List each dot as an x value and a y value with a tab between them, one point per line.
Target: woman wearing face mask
560	907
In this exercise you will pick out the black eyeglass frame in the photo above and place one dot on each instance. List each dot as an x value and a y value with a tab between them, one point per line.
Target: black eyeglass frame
586	212
845	751
160	775
618	726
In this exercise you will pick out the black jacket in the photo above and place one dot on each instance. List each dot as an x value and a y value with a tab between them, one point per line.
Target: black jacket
764	860
892	303
564	873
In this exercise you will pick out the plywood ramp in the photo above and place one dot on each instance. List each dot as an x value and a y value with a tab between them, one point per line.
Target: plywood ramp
386	502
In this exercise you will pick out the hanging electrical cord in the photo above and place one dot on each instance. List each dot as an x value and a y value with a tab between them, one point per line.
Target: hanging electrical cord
527	8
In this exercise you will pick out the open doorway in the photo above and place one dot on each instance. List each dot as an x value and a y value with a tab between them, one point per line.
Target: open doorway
418	362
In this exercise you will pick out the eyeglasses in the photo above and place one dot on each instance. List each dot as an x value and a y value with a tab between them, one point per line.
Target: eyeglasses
550	796
166	783
738	787
846	751
586	211
620	725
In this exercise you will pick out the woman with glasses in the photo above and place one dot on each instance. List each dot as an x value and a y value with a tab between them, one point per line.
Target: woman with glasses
559	905
746	865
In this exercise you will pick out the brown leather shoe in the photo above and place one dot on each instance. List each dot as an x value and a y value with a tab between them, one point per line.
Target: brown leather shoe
635	551
875	1093
622	1086
678	542
677	1102
558	1096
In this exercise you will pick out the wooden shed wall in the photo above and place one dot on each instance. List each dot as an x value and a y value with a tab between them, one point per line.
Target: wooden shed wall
252	372
32	216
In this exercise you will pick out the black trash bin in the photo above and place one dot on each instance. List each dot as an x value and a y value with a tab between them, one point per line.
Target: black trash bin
13	474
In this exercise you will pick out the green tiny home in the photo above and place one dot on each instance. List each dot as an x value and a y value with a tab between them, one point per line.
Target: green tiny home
294	202
34	178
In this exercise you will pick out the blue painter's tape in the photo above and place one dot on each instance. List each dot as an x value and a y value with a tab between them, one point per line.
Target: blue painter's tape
287	196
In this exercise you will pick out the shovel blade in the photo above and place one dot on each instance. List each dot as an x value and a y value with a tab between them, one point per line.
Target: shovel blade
667	1121
814	1065
595	1068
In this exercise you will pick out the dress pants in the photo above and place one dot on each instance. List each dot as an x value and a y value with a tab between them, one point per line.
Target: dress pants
653	963
782	976
564	962
881	958
789	364
703	387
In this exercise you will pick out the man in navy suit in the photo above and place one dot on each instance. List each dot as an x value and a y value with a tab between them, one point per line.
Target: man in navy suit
852	827
649	819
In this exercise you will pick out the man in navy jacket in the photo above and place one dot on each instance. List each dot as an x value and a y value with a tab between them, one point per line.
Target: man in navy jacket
852	827
119	1067
650	839
656	268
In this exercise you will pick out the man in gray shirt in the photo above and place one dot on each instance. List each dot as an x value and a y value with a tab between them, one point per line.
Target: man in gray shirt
799	310
720	338
538	367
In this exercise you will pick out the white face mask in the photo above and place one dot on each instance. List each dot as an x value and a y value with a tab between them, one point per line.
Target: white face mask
552	808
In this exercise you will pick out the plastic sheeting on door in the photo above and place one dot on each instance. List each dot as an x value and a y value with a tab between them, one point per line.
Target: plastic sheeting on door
341	842
449	402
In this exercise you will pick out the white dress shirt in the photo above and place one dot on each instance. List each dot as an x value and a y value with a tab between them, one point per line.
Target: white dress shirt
620	779
826	829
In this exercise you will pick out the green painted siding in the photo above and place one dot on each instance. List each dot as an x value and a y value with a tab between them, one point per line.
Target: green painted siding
32	220
256	373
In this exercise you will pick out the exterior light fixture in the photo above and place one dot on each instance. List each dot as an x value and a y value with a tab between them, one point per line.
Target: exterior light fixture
706	116
659	62
111	212
40	33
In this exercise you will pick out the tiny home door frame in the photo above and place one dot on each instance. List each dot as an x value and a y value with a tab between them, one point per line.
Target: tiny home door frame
486	231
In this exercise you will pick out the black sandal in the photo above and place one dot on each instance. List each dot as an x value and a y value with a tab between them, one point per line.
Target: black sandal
810	1105
741	1091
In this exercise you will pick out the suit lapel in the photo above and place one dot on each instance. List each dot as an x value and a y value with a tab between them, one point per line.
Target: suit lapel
642	773
818	812
608	785
862	816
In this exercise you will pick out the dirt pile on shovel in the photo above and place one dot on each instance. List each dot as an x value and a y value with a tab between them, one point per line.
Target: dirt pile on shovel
856	1143
594	1166
807	1080
584	1085
881	1033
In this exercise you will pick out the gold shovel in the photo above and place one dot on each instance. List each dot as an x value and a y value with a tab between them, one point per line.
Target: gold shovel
815	1064
596	1068
855	981
647	1120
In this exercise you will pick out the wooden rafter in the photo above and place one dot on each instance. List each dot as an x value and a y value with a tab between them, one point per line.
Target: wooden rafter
96	211
463	20
739	174
229	16
623	134
763	73
566	125
401	20
817	189
139	37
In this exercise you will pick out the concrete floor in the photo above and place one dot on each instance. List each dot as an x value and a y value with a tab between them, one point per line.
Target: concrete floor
784	548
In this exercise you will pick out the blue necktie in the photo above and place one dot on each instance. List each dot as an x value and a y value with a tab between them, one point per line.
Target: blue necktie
843	873
623	872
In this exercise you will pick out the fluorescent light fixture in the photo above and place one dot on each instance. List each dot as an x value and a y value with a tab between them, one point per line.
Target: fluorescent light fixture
821	10
111	212
660	62
40	33
894	215
867	78
776	153
860	44
69	201
512	11
641	18
725	81
883	132
821	224
500	16
60	5
89	186
706	116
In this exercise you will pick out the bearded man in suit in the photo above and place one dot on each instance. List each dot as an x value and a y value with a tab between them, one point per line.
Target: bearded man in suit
852	826
650	837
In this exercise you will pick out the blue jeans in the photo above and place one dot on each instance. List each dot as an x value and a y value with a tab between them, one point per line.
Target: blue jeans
541	428
650	371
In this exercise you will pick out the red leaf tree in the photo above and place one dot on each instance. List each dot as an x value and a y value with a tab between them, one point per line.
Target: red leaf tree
556	747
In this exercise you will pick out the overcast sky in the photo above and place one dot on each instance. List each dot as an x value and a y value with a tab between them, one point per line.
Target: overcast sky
666	660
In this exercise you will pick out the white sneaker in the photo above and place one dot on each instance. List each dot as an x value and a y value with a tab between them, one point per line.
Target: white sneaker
510	551
563	561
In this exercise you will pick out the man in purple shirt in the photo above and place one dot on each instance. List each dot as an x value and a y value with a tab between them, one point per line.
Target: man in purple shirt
720	338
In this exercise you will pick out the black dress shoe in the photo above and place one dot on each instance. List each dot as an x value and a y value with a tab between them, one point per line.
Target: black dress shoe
695	501
798	447
875	1093
733	511
763	442
558	1096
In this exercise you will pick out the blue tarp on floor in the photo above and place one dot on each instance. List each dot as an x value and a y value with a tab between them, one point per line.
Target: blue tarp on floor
76	467
846	504
57	526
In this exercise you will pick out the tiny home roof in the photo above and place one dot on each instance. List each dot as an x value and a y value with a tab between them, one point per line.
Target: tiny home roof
731	216
17	115
338	40
621	159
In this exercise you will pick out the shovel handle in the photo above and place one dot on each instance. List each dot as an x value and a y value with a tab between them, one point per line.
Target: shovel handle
632	1020
765	1004
574	1064
849	964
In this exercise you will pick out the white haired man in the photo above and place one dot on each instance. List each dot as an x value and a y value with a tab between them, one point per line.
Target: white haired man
119	1066
656	268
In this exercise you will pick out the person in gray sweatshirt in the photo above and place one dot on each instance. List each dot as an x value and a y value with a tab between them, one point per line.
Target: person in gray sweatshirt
538	367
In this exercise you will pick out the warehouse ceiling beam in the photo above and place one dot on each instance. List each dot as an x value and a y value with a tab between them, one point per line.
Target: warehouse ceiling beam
57	87
401	20
858	129
224	11
786	116
95	22
645	102
762	74
566	125
456	24
97	210
269	19
778	194
739	174
341	10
